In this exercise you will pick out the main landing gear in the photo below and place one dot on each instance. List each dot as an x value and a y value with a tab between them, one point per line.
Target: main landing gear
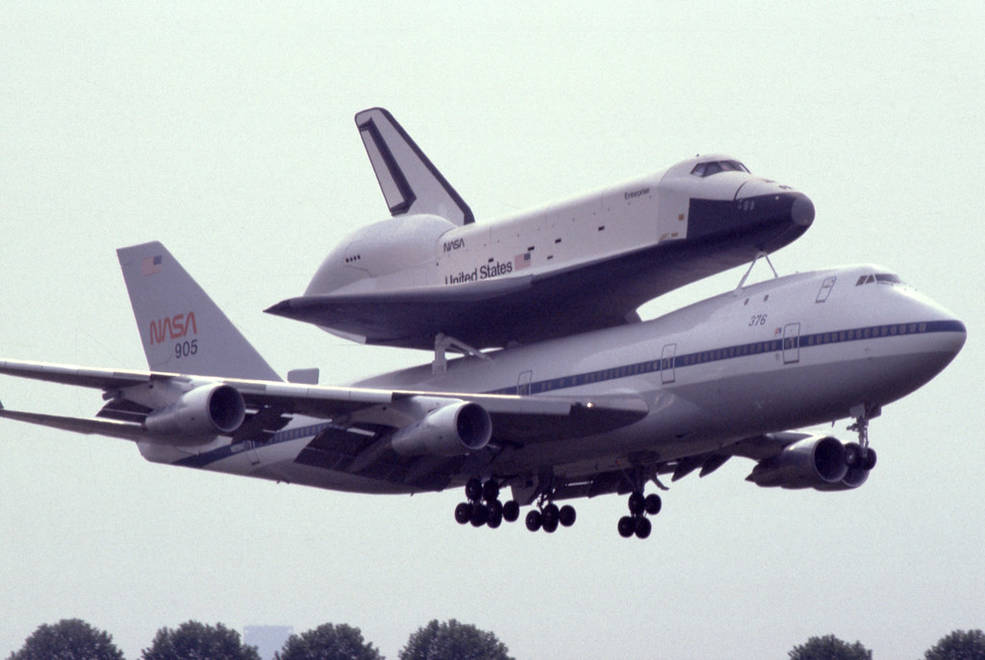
483	506
860	454
639	508
547	516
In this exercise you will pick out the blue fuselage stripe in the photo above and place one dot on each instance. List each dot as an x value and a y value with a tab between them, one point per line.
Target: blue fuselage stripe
733	352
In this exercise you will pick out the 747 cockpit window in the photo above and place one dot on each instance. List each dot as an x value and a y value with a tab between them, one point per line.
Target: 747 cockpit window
884	278
716	166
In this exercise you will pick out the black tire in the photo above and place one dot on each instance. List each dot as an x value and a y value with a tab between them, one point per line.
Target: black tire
533	520
567	515
636	503
550	515
480	514
495	509
490	490
627	525
549	524
463	513
643	527
511	511
495	517
869	459
652	504
473	489
853	454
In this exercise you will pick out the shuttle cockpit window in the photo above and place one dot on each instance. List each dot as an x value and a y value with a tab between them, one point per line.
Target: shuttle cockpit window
716	166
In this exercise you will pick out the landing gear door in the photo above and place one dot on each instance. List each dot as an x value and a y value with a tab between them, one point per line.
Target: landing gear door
667	374
791	343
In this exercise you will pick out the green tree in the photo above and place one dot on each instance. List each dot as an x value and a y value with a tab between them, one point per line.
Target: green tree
958	645
69	639
196	641
829	647
329	642
452	640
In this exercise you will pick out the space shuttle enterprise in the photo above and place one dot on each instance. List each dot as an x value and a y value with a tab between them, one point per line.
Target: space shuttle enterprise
432	274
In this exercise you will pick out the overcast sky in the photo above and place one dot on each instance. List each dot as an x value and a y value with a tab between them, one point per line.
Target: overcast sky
226	132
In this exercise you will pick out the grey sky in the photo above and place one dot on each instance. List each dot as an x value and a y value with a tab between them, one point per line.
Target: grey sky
227	133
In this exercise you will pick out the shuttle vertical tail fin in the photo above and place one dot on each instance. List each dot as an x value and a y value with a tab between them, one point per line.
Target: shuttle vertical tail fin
182	330
409	181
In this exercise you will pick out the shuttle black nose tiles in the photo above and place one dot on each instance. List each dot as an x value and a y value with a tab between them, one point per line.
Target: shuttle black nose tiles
777	218
802	210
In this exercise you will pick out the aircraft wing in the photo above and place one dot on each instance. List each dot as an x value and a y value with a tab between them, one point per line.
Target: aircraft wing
516	419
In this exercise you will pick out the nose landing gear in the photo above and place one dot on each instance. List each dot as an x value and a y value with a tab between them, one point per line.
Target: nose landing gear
860	454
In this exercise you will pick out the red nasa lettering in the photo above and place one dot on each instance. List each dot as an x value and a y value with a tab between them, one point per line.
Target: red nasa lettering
173	327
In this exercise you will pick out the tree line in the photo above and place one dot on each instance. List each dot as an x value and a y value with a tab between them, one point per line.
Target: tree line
74	639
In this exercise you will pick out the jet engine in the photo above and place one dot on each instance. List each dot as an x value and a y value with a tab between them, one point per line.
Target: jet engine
451	430
204	411
814	462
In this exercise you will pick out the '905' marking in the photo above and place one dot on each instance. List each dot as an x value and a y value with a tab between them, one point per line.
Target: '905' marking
183	349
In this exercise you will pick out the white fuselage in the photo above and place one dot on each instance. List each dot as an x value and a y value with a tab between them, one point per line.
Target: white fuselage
786	353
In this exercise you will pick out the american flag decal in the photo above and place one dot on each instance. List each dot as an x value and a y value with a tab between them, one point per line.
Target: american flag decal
150	265
521	260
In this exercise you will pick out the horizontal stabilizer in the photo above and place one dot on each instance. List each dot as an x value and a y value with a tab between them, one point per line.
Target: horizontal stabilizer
109	428
409	181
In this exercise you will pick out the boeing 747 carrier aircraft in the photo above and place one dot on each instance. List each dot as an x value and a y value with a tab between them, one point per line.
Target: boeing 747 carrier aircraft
430	273
606	411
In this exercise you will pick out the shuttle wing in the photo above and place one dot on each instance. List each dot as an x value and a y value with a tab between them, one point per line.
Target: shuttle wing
588	296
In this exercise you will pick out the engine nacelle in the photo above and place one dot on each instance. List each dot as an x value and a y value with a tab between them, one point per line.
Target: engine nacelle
451	430
205	411
814	462
854	478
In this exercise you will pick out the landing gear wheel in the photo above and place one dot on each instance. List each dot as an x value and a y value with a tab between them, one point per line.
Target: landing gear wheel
490	490
627	525
550	512
868	459
853	454
652	504
549	524
643	527
636	502
463	513
473	489
495	516
495	508
480	514
511	511
533	520
566	516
